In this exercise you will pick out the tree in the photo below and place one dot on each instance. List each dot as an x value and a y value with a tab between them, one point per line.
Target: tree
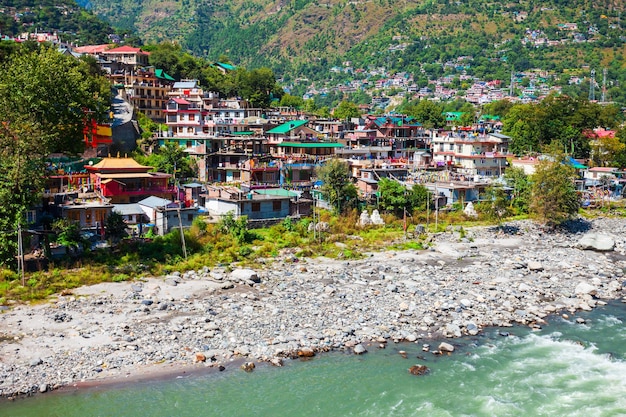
288	100
55	91
498	108
68	234
428	113
346	110
418	197
606	150
392	196
496	205
257	86
115	227
554	197
44	99
519	181
172	159
395	198
337	185
522	124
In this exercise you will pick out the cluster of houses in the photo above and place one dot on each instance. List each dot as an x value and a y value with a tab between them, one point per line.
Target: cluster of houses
259	162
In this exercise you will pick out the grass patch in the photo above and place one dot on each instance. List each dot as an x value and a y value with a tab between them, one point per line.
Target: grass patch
212	245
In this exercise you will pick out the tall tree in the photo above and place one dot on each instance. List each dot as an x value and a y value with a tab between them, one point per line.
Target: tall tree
346	110
55	91
45	97
395	198
337	186
554	197
428	113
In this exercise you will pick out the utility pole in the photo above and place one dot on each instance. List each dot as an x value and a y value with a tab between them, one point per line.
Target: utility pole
182	234
603	99
20	252
436	208
180	221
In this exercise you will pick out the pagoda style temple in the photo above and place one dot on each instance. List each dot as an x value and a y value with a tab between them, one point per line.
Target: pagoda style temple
124	180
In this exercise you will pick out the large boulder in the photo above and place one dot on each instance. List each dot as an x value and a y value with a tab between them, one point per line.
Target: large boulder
245	275
597	242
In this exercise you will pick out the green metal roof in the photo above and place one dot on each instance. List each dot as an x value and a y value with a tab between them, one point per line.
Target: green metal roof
287	127
453	115
226	66
246	133
159	73
310	145
277	191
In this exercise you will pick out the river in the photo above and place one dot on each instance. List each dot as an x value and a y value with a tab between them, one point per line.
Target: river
564	369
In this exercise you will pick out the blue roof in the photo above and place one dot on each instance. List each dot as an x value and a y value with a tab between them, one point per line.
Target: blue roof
571	161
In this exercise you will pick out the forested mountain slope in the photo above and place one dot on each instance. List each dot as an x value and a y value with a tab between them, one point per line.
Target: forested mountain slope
71	22
306	37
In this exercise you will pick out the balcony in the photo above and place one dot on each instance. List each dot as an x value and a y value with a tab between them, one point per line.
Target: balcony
141	191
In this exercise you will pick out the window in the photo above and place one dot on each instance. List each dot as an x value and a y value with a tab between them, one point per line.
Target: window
189	217
192	117
190	130
276	205
188	144
256	207
31	216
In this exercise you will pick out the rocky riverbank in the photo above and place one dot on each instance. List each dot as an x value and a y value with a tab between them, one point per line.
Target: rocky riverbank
467	280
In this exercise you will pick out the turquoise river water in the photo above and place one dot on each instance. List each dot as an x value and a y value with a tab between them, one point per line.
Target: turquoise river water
565	369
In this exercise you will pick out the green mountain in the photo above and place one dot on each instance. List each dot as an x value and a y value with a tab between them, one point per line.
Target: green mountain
71	22
305	38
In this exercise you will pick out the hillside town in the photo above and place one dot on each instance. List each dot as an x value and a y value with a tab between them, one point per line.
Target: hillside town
261	162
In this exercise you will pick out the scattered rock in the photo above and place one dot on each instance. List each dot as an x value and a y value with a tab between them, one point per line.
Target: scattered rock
359	349
445	347
596	241
418	370
248	366
306	353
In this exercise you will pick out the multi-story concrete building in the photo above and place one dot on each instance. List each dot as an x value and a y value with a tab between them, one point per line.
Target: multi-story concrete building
148	90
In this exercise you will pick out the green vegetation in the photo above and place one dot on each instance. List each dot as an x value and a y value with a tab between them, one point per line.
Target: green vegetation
558	120
44	98
553	195
337	186
395	198
72	23
305	39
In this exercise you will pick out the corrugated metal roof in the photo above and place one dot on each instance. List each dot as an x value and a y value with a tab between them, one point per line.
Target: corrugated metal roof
128	209
154	202
159	73
310	145
185	84
287	127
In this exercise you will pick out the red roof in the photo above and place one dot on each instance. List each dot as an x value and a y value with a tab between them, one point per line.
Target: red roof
599	133
180	101
126	50
92	49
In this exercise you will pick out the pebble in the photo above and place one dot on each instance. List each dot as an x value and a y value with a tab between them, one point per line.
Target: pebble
516	275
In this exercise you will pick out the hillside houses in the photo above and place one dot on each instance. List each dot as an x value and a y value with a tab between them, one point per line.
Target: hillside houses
262	163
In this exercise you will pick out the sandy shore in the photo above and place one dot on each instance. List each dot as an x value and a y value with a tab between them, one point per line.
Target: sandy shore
199	321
